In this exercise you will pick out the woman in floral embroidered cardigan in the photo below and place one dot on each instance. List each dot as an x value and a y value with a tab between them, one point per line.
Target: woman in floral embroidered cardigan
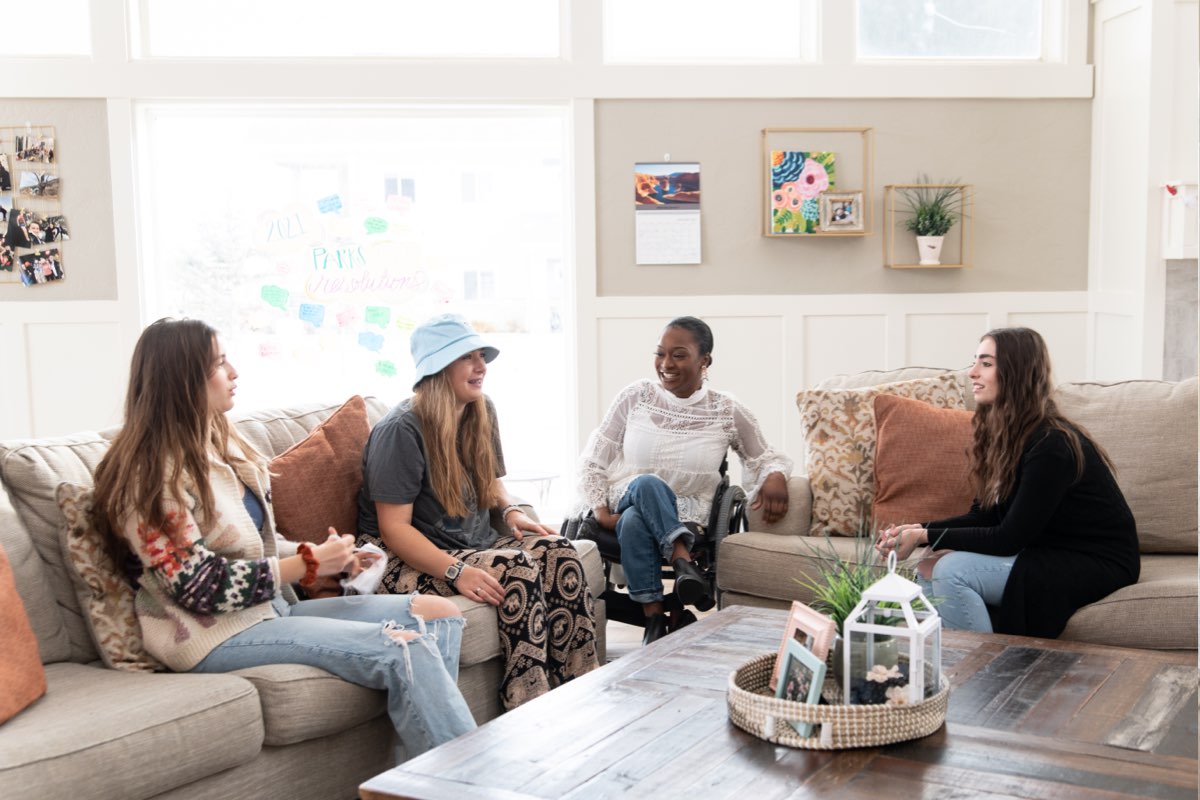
189	500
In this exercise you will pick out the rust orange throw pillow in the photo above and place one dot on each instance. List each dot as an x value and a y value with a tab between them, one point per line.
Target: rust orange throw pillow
921	462
22	678
315	482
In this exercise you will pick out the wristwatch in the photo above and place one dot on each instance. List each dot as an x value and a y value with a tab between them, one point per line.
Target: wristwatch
454	570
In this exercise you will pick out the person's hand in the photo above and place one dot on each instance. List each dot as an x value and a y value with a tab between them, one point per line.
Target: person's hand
520	524
335	554
478	585
901	539
362	559
606	518
772	497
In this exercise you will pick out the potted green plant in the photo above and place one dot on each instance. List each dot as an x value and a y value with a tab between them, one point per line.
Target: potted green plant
933	210
837	587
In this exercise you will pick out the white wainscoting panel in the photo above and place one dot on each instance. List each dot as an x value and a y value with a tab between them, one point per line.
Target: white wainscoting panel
843	343
75	382
1066	339
943	340
1115	342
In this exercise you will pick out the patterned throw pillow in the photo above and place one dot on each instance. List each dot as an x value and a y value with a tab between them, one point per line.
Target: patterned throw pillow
103	593
839	434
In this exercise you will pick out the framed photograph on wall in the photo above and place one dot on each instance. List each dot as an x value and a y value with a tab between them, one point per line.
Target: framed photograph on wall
842	211
812	629
801	166
801	680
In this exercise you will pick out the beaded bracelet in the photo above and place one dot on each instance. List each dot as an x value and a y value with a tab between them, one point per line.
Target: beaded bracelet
507	509
310	565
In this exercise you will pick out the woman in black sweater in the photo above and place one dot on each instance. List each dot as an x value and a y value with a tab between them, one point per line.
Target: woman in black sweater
1049	531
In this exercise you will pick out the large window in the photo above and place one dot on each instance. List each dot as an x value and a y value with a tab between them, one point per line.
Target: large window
45	28
712	31
348	28
952	29
315	239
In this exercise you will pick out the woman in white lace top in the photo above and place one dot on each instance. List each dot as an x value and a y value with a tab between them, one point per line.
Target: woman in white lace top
650	470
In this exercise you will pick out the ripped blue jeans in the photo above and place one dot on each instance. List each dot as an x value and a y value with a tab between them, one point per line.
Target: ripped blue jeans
356	638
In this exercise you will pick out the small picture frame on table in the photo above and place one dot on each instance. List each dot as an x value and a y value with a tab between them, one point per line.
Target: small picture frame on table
810	628
800	680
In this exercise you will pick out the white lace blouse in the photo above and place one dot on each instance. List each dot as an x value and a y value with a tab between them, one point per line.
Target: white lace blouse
648	430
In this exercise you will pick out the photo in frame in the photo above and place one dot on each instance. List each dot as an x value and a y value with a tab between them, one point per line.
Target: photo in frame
803	165
812	629
800	680
842	211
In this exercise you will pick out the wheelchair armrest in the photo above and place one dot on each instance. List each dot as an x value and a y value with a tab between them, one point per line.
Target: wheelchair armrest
798	519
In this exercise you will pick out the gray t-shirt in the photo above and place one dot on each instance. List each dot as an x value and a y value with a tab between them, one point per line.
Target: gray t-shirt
394	471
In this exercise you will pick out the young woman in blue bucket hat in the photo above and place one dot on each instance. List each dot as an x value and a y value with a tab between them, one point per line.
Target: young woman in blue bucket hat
432	472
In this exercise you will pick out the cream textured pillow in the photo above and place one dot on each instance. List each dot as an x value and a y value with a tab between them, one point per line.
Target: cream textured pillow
105	596
839	434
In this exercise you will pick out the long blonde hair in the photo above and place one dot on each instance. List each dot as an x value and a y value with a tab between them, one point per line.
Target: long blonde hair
168	433
1022	406
458	452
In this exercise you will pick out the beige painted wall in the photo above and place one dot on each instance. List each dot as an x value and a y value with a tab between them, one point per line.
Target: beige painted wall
89	258
1028	160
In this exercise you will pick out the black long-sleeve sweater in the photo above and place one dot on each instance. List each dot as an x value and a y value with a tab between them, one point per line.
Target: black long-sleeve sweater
1075	540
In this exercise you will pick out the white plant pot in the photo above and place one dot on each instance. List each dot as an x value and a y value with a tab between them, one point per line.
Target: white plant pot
930	250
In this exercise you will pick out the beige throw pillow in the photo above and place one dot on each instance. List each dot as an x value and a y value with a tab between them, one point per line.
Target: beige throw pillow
105	596
839	434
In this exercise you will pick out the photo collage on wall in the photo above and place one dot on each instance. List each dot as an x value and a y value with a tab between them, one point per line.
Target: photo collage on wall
32	226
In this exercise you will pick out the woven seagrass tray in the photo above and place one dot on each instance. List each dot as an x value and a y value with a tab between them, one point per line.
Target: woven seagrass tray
754	709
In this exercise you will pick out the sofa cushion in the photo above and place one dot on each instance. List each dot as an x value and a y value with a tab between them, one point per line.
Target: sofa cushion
107	599
775	567
922	462
22	679
839	434
31	471
273	431
33	585
1156	613
297	702
109	734
1149	431
795	521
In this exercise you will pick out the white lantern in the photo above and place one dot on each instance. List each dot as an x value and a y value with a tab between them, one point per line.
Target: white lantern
922	628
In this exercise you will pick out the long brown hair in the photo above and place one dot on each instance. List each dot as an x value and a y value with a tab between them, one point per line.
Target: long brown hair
458	452
1022	406
167	435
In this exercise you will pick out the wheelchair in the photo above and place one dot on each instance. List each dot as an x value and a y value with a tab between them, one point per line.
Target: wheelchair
728	515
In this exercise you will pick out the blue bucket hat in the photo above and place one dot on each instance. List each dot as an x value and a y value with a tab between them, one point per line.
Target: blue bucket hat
438	341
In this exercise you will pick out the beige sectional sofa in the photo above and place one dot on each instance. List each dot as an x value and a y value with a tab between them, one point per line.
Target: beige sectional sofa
1149	430
281	731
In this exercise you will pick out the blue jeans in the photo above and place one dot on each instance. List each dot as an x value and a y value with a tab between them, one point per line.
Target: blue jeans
646	531
348	636
964	585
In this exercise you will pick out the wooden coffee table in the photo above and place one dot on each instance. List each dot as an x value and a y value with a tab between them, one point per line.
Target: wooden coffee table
1027	718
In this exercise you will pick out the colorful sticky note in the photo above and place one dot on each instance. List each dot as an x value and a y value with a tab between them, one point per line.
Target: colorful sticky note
385	368
405	323
379	315
375	224
328	205
347	317
313	313
268	350
274	296
371	341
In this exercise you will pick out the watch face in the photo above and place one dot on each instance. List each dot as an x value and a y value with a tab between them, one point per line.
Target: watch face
453	570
